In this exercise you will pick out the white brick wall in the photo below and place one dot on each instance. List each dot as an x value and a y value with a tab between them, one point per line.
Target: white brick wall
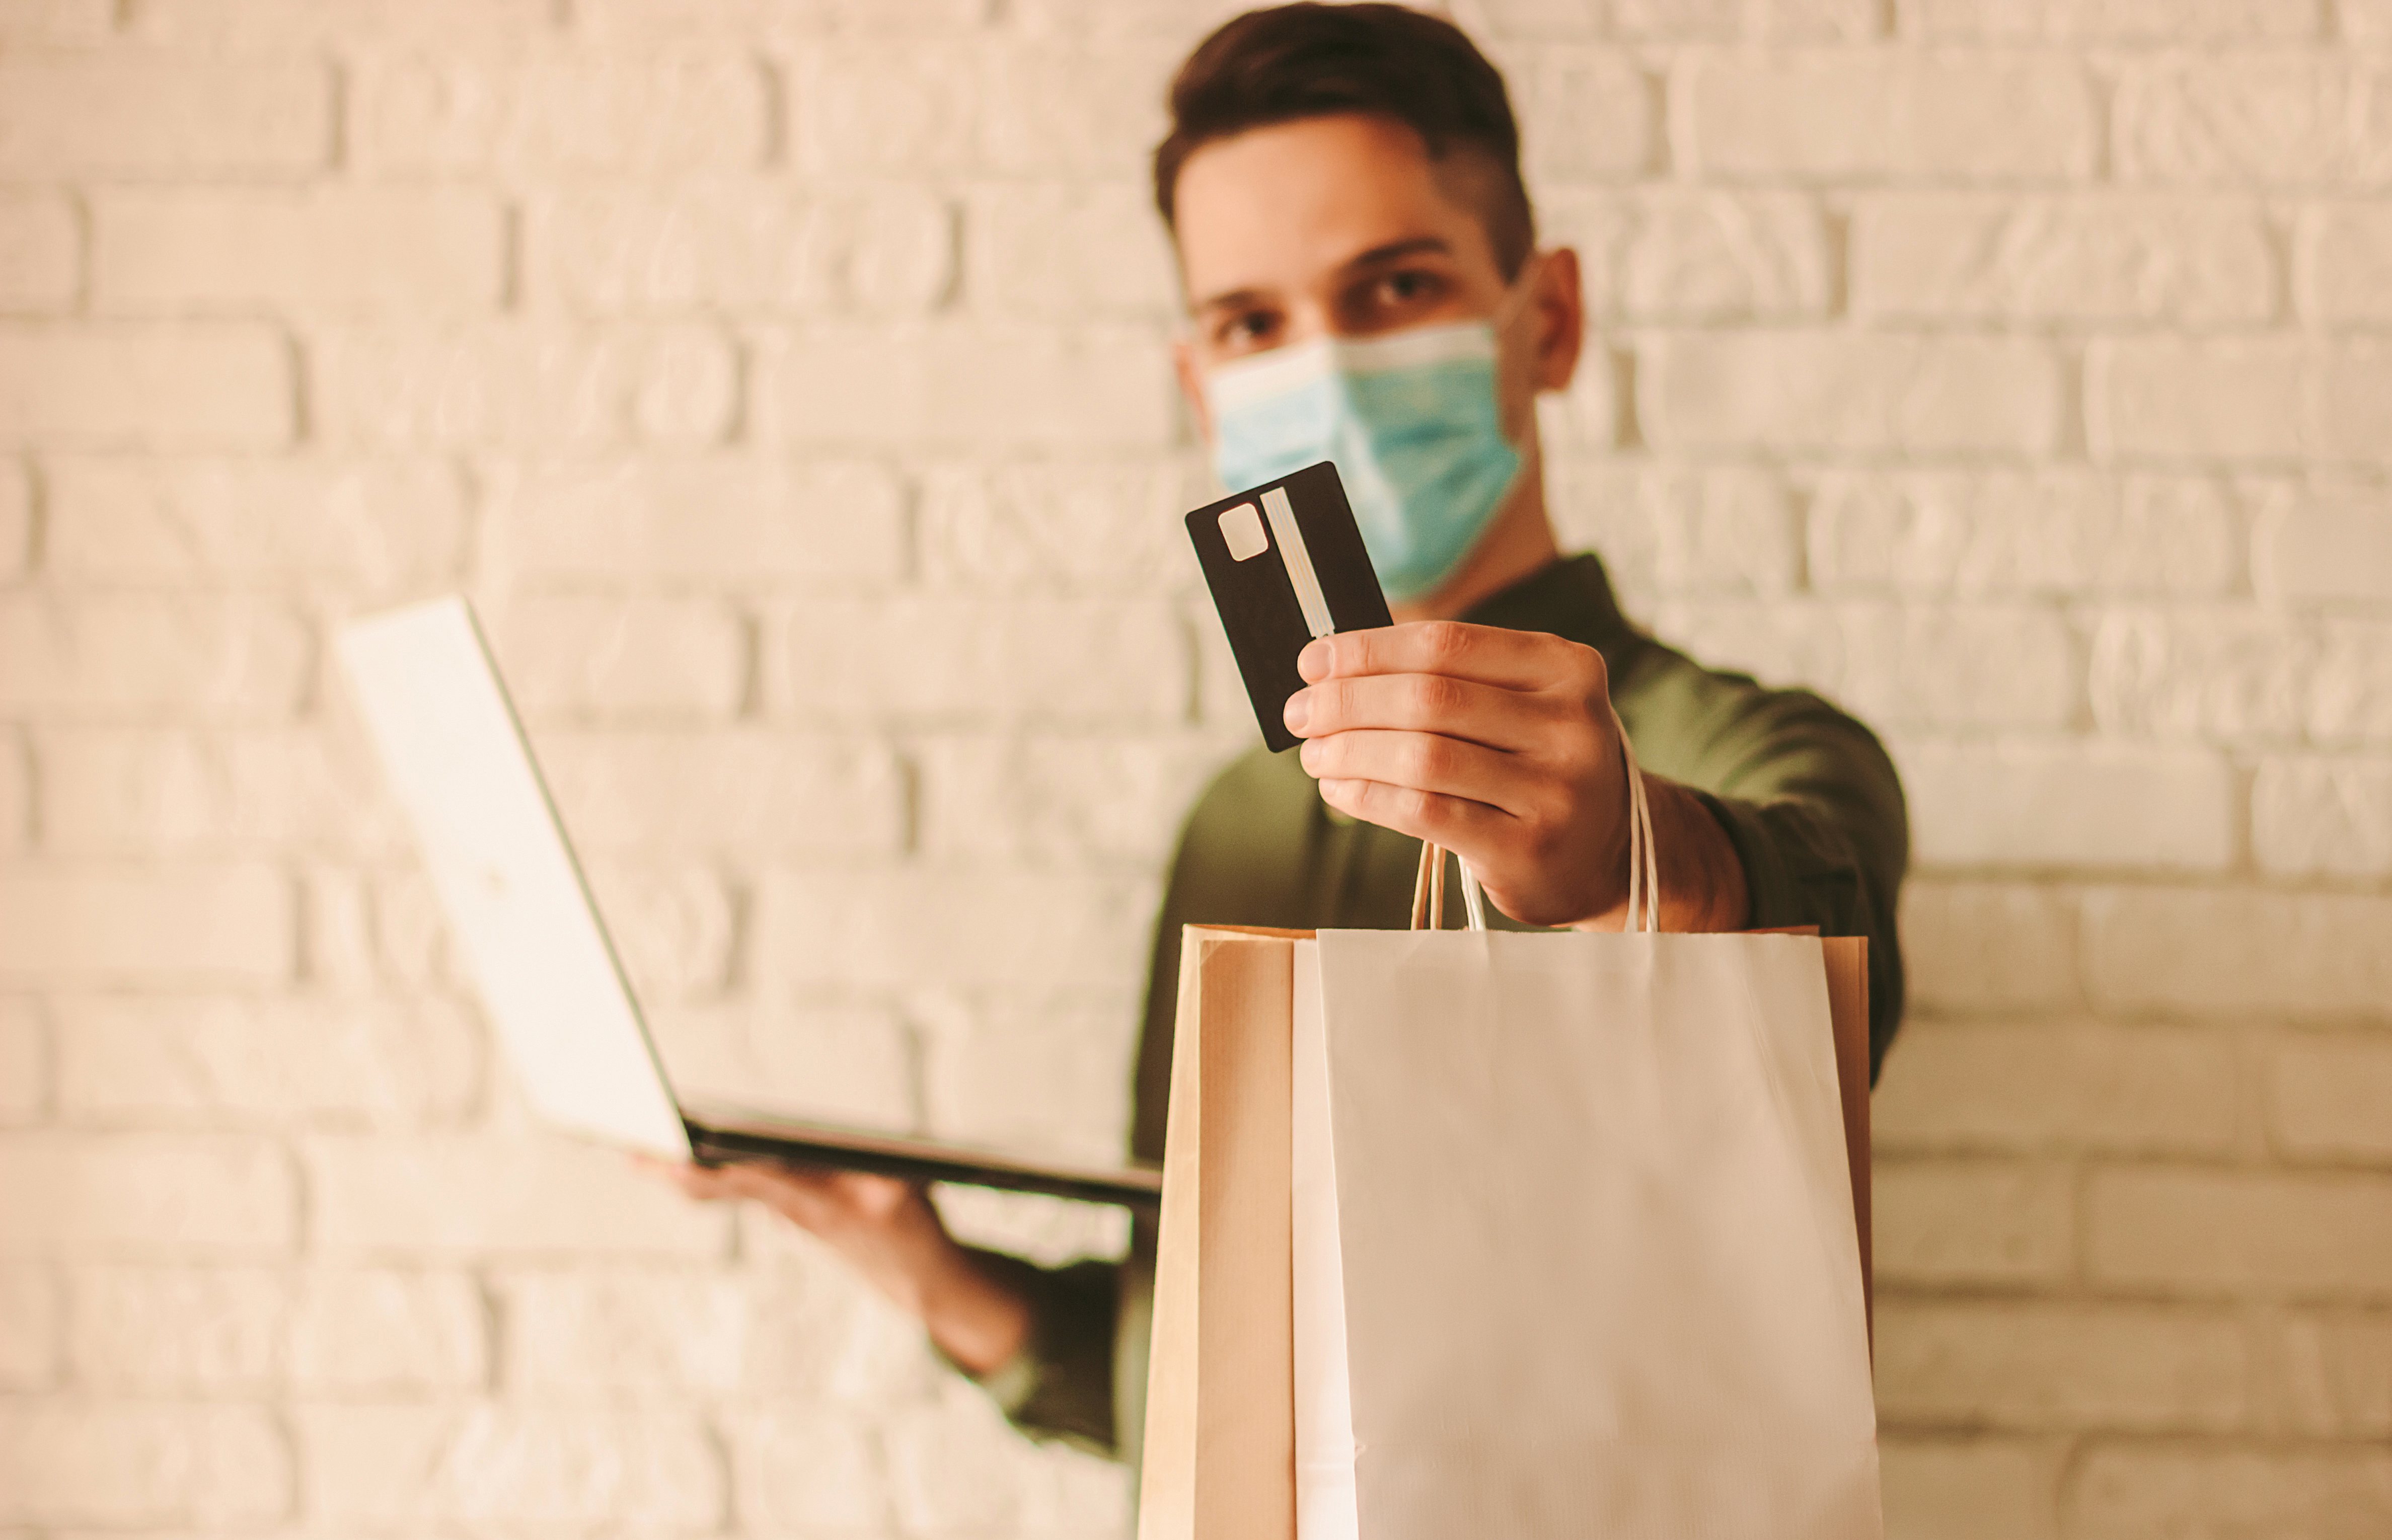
786	378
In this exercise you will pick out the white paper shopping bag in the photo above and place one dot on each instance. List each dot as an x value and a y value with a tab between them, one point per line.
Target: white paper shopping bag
1574	1251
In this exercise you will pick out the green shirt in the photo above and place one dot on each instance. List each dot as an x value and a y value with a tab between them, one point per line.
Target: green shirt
1805	793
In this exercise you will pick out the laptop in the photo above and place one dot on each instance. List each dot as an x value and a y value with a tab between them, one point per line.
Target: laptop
517	904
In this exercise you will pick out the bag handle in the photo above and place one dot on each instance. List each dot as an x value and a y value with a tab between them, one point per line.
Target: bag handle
1644	866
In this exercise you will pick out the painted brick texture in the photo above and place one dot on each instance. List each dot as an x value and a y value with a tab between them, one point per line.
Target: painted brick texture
788	382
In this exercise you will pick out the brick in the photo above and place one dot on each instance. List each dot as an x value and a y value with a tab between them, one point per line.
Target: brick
121	113
2058	1087
322	250
803	1470
1960	665
113	1464
1782	643
2137	1493
522	384
1670	530
354	1330
266	24
1050	1079
2313	818
1883	114
175	1328
727	793
376	931
454	1195
621	1329
2239	676
541	114
184	1195
674	929
1672	254
231	925
159	655
1971	948
1080	108
2364	20
2342	260
2039	532
29	1327
152	1061
756	246
576	656
533	1466
883	109
217	384
2327	1375
954	1467
2325	548
1586	114
1847	21
1111	526
1099	800
2069	805
41	252
2326	1097
721	523
1071	660
1968	1489
370	525
24	1061
2283	118
1068	253
1178	20
2245	1234
917	385
2259	400
1816	390
2229	952
2055	1366
748	20
1985	1223
2111	21
1937	256
915	928
55	22
144	791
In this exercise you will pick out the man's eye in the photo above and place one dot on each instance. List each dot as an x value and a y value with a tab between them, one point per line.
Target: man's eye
1252	330
1406	288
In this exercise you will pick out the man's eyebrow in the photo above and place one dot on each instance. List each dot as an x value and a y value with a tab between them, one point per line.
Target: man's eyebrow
1376	256
1395	250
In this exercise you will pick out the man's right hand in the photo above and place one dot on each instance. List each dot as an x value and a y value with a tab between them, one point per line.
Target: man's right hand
887	1230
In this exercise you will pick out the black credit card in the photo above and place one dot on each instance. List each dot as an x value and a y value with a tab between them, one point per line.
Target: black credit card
1286	564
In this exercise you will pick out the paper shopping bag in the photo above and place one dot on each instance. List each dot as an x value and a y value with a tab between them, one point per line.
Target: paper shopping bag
1576	1251
1218	1460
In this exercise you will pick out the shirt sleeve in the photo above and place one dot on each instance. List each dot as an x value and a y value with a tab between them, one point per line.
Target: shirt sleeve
1812	803
1059	1387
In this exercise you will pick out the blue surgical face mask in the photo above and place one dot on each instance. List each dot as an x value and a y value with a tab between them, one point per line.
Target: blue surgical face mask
1412	421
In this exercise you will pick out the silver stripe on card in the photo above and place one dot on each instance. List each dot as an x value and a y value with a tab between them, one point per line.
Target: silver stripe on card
1298	562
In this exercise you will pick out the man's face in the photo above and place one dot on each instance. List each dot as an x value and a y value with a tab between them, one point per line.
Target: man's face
1343	227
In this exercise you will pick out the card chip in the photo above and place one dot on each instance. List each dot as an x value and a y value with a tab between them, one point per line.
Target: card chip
1242	531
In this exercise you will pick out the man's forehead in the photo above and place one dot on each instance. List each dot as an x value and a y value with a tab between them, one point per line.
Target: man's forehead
1293	205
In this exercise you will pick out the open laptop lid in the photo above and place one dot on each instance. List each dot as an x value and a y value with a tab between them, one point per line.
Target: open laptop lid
515	898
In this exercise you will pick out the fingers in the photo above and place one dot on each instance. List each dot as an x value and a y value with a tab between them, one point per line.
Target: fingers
1428	763
1459	824
1487	654
1450	707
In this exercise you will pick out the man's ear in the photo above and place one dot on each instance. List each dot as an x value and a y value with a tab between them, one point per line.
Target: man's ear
1558	307
1191	385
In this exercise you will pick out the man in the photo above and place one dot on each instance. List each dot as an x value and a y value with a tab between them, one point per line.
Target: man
1359	257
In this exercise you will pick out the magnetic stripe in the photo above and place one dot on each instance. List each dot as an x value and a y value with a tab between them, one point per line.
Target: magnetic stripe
1298	562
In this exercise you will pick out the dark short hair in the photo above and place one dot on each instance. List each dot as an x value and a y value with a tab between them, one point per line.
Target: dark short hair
1311	60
